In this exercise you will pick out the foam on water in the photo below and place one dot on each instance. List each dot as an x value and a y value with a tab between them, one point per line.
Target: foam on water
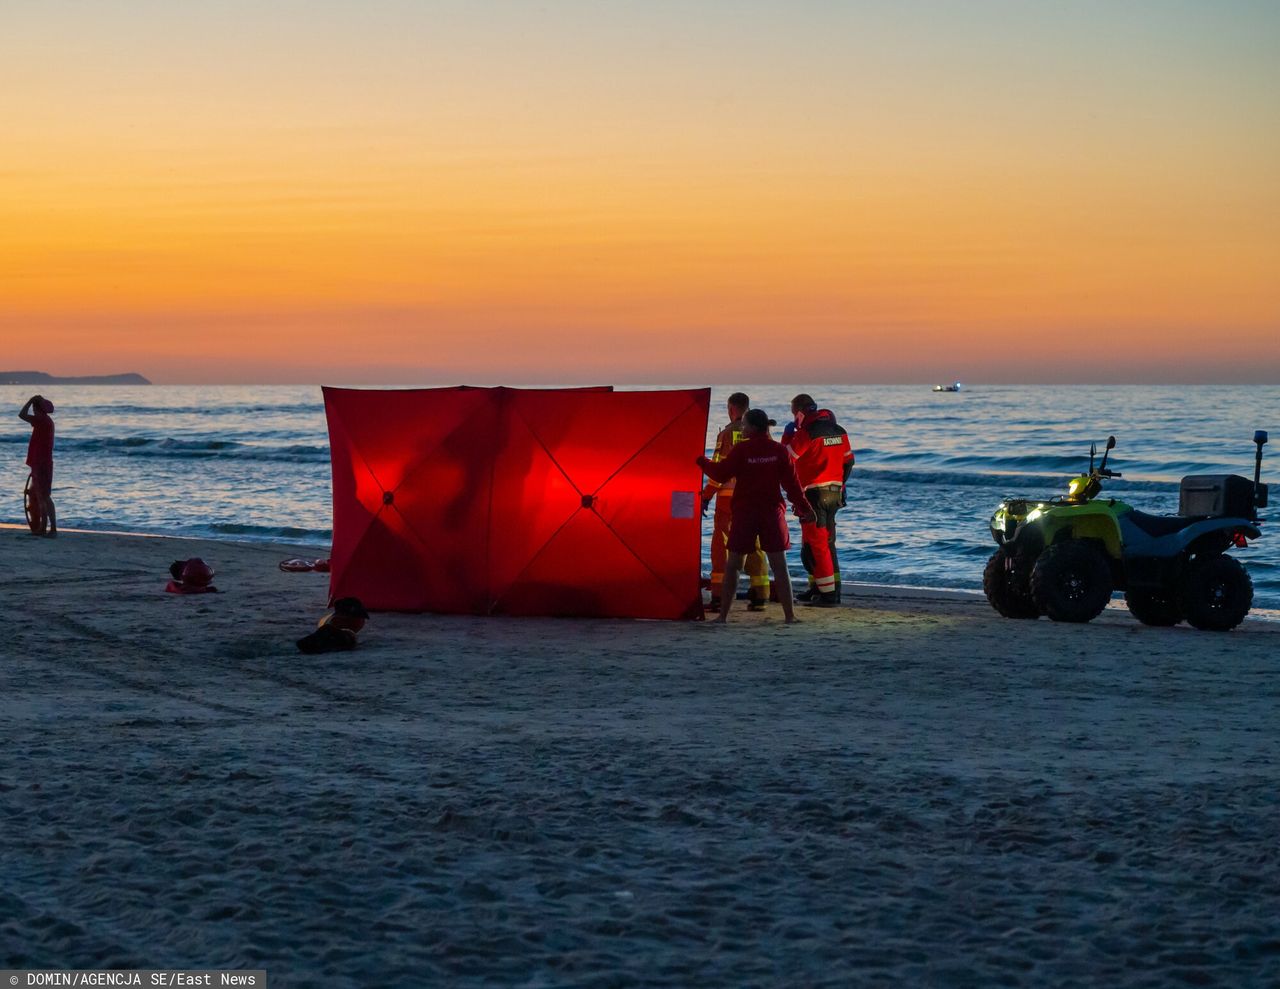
242	462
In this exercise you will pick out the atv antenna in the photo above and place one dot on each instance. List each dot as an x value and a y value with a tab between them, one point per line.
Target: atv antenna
1093	452
1260	439
1111	445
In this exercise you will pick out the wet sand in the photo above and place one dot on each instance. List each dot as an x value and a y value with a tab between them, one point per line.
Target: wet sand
907	790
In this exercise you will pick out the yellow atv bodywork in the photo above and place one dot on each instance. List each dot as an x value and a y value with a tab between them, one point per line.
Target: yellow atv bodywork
1080	519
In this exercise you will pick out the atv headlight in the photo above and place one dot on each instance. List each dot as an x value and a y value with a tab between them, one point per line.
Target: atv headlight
1034	514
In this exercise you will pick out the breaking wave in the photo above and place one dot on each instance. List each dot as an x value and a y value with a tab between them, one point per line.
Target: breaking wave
1048	483
152	446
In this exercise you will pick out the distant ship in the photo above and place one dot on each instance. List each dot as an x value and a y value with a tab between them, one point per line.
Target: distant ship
951	387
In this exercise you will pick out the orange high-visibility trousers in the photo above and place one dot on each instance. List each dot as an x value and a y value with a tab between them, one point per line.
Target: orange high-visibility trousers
756	566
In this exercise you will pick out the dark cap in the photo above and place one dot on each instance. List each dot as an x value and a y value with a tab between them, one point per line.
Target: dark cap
758	419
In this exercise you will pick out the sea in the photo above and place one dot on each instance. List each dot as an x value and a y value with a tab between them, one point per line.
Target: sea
252	462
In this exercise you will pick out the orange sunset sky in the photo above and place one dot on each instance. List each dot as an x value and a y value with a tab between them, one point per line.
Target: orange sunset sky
641	192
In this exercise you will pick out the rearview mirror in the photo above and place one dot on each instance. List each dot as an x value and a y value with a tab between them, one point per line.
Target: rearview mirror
1260	437
1111	442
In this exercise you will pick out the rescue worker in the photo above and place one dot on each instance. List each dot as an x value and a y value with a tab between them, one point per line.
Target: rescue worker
37	411
823	459
757	568
760	466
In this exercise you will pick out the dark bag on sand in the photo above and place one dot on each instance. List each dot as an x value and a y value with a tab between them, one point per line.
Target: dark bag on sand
346	613
192	576
178	587
327	638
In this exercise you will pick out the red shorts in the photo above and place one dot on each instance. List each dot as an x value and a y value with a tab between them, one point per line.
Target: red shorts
767	525
42	478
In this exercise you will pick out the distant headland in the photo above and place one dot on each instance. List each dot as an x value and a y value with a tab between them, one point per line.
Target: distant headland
41	378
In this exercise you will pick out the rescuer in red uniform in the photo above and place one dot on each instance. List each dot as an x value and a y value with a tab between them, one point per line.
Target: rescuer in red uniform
757	568
823	458
40	459
760	466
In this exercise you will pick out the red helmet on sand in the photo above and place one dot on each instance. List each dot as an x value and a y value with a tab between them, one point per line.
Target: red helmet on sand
196	572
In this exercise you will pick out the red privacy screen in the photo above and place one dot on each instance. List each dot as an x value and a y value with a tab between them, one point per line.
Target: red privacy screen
518	501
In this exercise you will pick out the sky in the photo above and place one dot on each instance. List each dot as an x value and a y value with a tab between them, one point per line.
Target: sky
689	192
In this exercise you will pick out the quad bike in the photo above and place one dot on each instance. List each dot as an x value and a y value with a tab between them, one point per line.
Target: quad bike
1064	557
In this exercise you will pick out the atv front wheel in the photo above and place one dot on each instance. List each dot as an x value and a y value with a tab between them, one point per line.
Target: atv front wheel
1007	589
1154	607
1216	593
1071	582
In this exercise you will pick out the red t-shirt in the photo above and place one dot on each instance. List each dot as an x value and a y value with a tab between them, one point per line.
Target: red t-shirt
40	449
761	467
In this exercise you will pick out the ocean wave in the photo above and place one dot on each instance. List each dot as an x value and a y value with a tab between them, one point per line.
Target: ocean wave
295	408
167	446
1057	464
1026	463
292	532
239	531
1050	483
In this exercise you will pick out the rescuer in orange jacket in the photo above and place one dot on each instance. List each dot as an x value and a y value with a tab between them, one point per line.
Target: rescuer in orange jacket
756	566
823	459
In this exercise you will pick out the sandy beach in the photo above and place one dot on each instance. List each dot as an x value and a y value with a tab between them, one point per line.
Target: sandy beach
906	790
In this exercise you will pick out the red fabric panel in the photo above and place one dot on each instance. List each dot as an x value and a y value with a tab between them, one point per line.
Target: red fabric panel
584	570
471	500
637	505
405	462
533	499
628	452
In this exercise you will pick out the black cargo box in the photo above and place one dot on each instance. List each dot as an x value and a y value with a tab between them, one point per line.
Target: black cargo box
1217	495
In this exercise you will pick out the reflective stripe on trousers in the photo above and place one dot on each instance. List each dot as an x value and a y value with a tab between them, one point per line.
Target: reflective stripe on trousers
818	554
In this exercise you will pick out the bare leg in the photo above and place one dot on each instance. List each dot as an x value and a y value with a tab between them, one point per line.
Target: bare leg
729	589
781	577
50	516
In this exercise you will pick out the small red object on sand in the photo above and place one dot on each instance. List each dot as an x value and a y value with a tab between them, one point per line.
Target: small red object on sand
303	565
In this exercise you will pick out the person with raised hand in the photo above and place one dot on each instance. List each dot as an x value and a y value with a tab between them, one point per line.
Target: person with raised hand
38	411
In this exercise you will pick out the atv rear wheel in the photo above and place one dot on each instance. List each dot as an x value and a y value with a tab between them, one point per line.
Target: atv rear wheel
1216	593
1008	589
1157	608
1071	582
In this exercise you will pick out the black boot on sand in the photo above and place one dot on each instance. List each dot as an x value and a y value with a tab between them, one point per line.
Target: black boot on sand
827	599
327	638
